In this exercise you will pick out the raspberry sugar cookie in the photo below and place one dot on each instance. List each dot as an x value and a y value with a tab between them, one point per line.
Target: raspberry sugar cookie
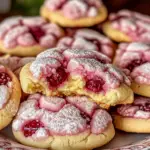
74	13
27	36
88	39
128	26
15	63
136	58
134	117
69	123
63	71
10	94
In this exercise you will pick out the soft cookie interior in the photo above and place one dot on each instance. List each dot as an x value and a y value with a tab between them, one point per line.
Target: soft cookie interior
67	72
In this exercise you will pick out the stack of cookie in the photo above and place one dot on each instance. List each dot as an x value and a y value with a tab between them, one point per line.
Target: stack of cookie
67	78
69	90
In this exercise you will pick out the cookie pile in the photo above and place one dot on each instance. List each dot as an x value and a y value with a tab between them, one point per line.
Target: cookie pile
74	83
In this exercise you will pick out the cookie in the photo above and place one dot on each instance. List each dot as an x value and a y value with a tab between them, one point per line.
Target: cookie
128	26
88	39
134	117
15	63
57	123
27	36
10	93
63	71
75	13
136	58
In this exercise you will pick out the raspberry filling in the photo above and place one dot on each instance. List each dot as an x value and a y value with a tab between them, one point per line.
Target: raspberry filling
64	118
31	127
57	65
134	24
75	9
134	64
4	78
37	33
57	78
95	85
139	109
29	31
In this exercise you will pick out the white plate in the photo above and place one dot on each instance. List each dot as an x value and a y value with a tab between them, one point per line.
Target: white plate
120	139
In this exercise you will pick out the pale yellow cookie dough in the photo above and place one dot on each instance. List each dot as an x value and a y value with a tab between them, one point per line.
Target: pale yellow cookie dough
132	124
82	141
75	86
115	34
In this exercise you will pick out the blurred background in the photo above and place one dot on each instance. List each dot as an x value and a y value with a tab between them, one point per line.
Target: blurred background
31	7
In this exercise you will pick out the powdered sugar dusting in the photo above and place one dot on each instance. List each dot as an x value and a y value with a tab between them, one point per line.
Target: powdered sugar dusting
139	109
91	34
134	24
110	74
10	37
28	31
15	63
83	103
60	63
4	95
52	103
68	120
99	120
41	133
43	66
8	24
51	53
26	40
34	21
77	53
138	47
87	39
135	57
141	74
75	9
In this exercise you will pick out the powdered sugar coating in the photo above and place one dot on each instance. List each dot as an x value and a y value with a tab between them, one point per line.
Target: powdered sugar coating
139	109
99	120
91	68
29	31
134	24
75	9
14	62
135	57
86	63
68	120
141	74
83	103
52	104
88	39
4	95
42	67
77	53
